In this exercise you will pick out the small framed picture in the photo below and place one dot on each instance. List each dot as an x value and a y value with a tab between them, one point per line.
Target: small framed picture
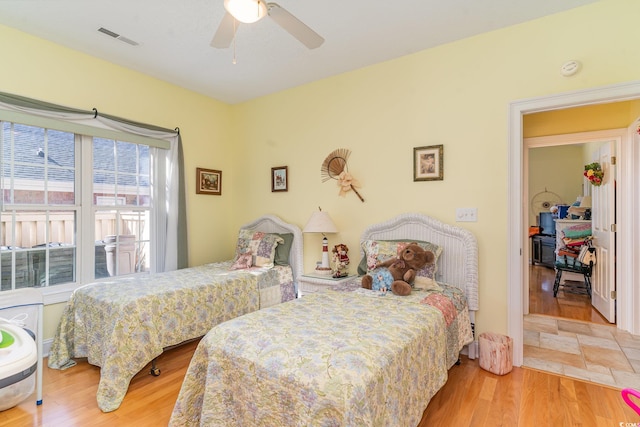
208	181
279	179
428	163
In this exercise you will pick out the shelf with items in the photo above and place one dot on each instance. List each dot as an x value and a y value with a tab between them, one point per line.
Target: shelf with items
564	224
562	228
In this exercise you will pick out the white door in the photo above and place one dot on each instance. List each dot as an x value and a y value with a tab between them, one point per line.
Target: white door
602	218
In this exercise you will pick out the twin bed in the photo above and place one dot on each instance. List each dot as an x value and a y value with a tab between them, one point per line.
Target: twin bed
123	324
347	356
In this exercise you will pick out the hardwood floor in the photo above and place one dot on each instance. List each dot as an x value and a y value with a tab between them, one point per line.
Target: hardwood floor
567	305
524	397
69	396
471	397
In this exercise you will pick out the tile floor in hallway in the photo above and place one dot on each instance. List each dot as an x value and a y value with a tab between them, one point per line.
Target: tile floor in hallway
592	352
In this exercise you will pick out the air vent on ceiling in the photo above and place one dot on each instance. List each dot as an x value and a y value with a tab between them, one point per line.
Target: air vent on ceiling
117	36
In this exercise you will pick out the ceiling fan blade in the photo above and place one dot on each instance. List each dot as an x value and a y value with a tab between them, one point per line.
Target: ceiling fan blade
294	26
226	32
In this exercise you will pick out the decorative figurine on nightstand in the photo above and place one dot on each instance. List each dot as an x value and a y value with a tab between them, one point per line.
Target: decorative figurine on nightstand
340	260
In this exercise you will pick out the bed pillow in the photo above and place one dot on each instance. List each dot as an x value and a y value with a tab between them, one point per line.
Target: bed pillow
245	260
283	249
380	250
426	284
261	245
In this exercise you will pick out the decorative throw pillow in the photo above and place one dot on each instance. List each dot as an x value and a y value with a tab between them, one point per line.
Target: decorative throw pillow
282	250
380	250
243	261
261	245
426	284
428	271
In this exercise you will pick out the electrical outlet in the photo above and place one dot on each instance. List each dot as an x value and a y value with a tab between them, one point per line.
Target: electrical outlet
466	214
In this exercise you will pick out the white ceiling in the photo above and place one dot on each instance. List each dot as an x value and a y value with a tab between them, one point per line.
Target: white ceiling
174	36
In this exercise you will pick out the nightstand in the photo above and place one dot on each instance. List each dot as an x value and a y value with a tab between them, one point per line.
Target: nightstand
312	283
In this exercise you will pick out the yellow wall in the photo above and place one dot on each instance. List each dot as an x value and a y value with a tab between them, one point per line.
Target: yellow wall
581	119
49	72
456	95
559	169
634	111
555	170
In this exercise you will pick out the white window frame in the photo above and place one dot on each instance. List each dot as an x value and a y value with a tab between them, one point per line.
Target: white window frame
86	215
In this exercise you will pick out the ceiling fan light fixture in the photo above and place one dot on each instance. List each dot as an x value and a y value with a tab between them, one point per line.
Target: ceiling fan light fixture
246	11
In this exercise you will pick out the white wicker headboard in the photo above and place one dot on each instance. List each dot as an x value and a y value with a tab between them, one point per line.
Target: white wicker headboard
458	264
273	224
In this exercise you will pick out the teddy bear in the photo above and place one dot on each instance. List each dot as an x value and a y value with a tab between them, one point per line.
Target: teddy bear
403	268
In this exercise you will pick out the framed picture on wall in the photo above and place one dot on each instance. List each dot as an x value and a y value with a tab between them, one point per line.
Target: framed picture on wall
208	181
279	179
428	163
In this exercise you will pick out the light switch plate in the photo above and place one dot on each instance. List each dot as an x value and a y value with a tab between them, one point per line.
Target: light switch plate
466	214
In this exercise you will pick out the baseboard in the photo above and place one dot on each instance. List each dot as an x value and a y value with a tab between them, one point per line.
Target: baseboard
46	347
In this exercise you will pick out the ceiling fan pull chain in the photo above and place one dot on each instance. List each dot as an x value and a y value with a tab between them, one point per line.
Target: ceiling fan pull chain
234	42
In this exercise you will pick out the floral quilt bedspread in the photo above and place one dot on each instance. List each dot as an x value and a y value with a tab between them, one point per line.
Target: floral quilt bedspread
123	324
274	290
327	359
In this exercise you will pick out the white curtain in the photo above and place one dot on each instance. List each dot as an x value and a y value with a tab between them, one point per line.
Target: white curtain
170	231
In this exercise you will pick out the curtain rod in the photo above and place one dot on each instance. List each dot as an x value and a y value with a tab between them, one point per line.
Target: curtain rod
26	102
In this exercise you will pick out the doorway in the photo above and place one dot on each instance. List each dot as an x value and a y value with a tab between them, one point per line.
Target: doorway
555	178
557	342
628	274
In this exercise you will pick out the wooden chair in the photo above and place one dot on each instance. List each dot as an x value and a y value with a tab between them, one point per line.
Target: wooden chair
569	261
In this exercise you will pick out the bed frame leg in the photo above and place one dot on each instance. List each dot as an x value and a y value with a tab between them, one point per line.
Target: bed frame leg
155	371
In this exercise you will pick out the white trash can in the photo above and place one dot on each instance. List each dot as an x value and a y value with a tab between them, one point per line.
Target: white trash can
18	364
20	346
496	353
125	251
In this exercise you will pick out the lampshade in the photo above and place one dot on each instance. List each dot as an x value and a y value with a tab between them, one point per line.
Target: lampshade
585	202
320	222
247	11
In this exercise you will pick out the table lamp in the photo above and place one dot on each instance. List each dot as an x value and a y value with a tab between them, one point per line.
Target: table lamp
320	222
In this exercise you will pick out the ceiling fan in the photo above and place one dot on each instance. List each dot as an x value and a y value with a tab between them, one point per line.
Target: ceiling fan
249	11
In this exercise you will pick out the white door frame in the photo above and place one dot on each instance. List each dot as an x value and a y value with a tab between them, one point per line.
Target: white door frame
517	236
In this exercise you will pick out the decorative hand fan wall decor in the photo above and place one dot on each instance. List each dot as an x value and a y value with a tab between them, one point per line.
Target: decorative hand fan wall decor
335	167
